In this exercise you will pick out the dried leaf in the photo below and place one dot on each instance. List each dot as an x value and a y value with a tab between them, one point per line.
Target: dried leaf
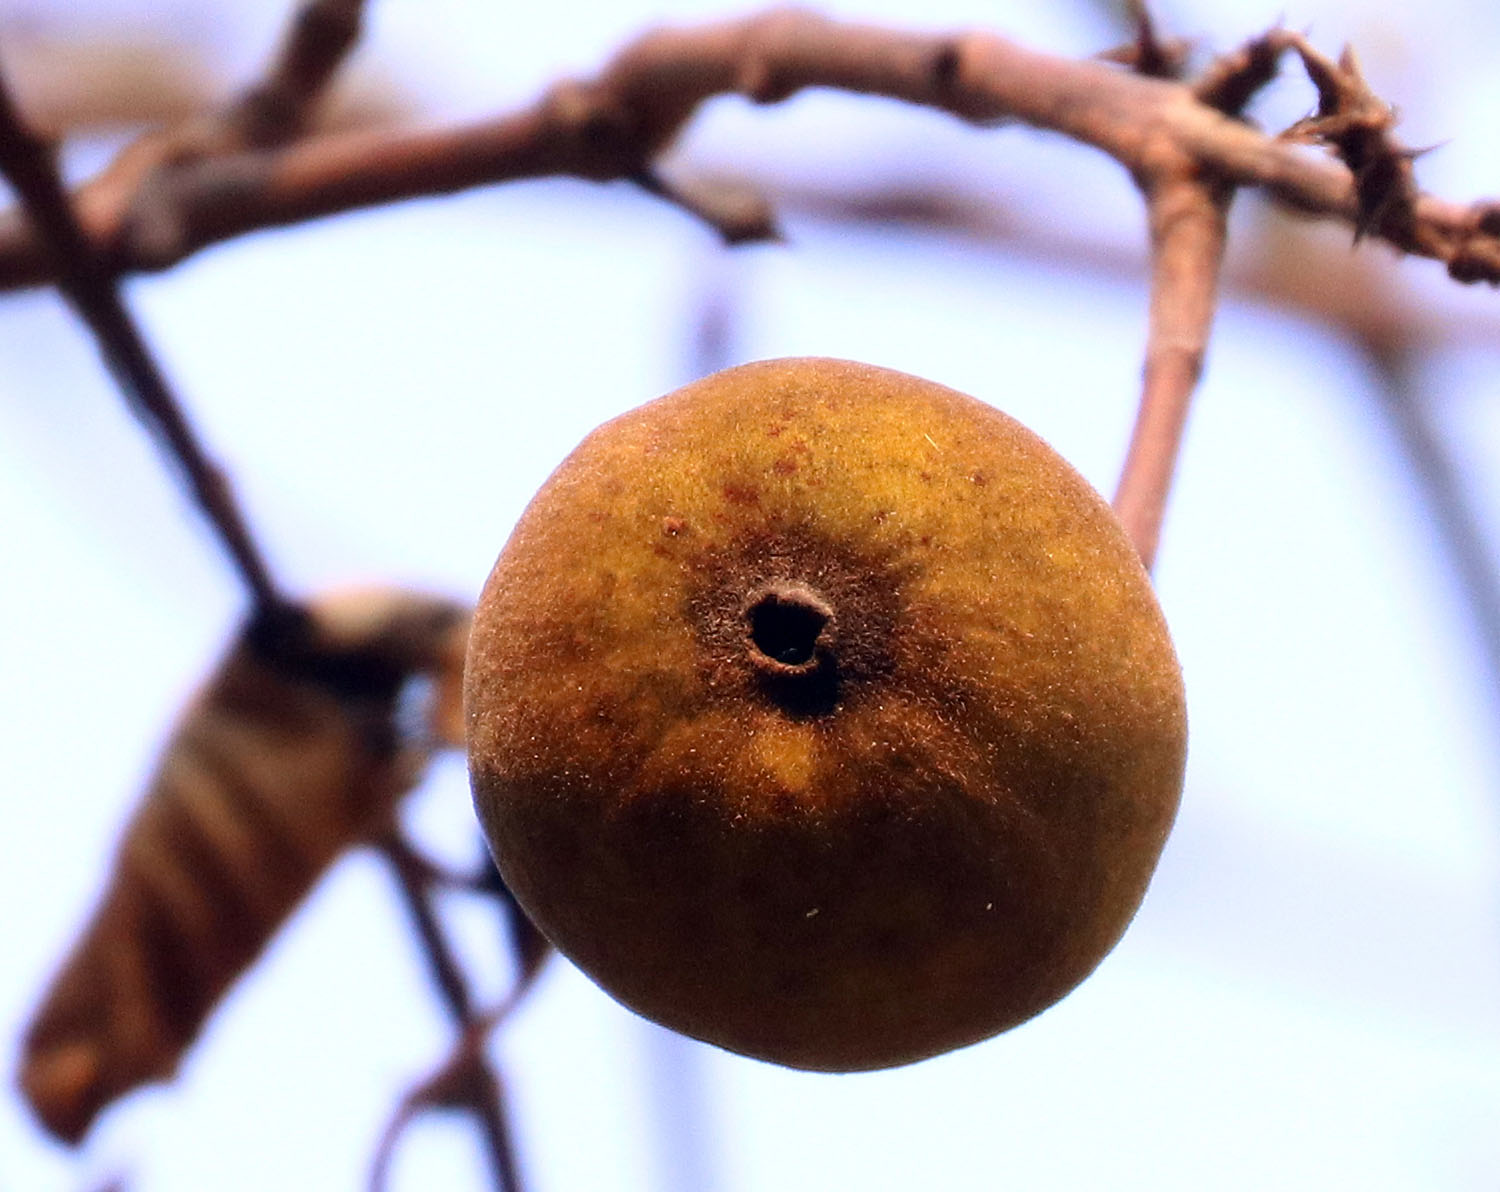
292	753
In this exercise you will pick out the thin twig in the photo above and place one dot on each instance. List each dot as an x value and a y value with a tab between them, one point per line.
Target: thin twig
94	294
430	872
279	107
739	215
274	110
479	1090
464	1080
1148	53
1187	222
619	123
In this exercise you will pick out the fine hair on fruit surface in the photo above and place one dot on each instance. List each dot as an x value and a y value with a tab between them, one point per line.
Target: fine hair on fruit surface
825	714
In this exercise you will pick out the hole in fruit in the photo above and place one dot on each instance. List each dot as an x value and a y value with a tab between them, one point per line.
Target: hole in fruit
786	625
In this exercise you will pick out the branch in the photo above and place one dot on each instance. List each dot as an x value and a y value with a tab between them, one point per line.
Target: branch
269	113
616	125
278	108
94	293
1187	222
1148	54
739	215
466	1080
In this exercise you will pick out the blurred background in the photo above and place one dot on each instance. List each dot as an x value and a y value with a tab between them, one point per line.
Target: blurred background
1310	997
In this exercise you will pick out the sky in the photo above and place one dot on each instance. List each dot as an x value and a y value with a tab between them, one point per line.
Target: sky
1310	996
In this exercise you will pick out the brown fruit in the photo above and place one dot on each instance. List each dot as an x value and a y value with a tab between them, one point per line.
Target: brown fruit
825	714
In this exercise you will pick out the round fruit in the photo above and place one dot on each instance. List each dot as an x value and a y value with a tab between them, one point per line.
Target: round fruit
825	714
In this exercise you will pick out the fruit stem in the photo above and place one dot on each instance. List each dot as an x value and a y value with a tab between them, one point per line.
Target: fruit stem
1187	219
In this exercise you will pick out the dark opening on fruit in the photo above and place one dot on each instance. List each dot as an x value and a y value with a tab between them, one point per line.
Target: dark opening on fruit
825	714
789	626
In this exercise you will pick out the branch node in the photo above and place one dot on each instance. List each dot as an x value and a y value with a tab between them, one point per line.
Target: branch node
654	86
1232	80
761	83
1473	262
945	67
1355	124
1487	217
1149	54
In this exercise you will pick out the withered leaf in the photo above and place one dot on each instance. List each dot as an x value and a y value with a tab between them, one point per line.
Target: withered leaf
291	753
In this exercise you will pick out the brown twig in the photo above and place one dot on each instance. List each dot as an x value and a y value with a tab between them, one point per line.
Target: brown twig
1148	53
738	214
1232	80
1356	124
278	108
413	881
272	111
617	124
466	1080
94	294
1187	223
429	872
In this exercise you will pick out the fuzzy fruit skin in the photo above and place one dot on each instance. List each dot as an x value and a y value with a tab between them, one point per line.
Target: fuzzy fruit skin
929	832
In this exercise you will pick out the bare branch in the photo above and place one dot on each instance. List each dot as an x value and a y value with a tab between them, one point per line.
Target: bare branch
430	872
93	292
413	882
271	112
277	109
1148	53
738	214
616	125
466	1080
1187	222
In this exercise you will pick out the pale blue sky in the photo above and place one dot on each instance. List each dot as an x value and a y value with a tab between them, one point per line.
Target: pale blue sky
1310	998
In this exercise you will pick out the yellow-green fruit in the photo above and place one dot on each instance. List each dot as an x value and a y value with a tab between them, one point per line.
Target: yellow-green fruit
825	714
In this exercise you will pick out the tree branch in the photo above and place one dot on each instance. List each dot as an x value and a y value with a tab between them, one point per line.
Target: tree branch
466	1080
277	109
94	293
271	112
616	125
1187	223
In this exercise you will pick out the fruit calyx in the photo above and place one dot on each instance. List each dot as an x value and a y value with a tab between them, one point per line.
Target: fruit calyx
790	629
791	637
